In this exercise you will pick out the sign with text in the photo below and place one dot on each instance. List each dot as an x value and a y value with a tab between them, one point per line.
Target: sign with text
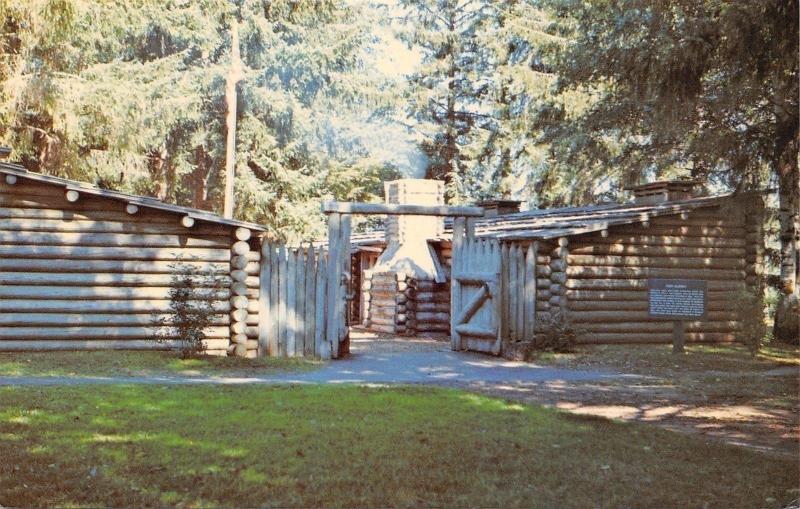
677	299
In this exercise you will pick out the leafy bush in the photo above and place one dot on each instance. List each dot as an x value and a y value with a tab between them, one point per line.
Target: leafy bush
554	334
749	308
191	308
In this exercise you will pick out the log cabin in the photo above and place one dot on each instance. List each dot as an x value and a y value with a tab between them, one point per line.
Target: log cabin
88	268
592	264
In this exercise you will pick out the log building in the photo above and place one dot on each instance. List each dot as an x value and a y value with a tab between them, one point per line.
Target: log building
593	264
88	268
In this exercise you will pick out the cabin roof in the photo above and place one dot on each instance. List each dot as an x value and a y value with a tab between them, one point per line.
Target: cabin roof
19	171
547	224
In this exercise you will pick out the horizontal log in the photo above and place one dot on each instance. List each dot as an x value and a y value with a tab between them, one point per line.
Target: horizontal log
703	222
637	284
649	327
424	316
389	329
97	293
442	307
622	315
58	226
584	272
432	327
79	212
9	333
657	337
108	266
627	294
213	345
114	253
646	245
656	261
429	286
683	231
432	297
98	306
110	240
631	305
91	279
94	319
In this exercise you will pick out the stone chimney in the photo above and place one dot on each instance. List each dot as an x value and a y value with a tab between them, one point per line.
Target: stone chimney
663	191
494	208
407	236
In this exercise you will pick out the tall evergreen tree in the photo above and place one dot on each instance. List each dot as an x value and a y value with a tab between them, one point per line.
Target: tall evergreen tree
444	94
132	96
707	89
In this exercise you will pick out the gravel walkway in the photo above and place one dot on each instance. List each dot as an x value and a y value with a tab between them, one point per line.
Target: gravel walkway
374	360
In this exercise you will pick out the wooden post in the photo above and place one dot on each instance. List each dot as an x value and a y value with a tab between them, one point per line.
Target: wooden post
334	275
264	316
459	227
678	337
343	337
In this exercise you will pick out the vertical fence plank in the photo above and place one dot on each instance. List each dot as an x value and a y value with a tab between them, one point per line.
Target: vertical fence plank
291	296
495	267
274	310
309	299
299	303
505	296
319	316
513	279
520	297
282	308
264	318
530	291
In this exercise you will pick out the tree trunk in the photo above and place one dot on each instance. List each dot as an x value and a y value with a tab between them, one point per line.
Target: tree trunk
156	165
200	174
234	75
787	313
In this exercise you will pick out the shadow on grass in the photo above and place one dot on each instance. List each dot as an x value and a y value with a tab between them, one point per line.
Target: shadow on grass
353	446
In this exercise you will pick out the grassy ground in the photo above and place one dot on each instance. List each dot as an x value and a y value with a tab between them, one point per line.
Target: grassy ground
659	360
354	446
126	363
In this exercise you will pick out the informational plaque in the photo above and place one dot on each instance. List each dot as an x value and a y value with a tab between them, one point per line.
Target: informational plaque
677	299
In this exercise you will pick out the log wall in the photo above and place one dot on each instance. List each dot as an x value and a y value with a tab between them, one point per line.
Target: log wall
91	274
605	283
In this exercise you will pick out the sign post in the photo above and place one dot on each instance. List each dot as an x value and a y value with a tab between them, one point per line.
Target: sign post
677	300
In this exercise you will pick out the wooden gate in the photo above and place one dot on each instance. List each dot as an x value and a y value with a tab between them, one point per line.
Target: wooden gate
475	293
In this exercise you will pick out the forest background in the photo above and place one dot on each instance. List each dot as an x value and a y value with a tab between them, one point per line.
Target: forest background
552	102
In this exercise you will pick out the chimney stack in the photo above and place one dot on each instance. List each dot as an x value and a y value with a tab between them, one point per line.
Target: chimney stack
663	191
494	208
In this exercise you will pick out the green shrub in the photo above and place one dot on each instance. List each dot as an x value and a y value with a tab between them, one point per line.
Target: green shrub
748	307
191	298
554	334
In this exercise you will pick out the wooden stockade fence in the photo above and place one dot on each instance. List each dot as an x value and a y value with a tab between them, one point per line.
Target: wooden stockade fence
518	283
292	302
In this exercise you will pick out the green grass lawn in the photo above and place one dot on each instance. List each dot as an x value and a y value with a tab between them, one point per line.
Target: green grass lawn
128	363
320	446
